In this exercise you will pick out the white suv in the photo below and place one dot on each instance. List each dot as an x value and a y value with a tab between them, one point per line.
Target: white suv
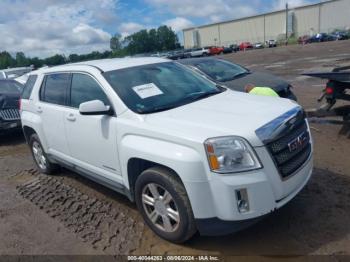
199	52
191	154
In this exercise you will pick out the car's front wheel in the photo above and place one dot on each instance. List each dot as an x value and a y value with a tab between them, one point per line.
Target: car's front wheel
42	162
162	200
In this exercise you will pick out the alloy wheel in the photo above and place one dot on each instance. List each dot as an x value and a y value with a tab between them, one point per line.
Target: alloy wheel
160	207
39	155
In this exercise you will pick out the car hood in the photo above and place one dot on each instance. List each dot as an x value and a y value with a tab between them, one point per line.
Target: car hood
225	114
258	79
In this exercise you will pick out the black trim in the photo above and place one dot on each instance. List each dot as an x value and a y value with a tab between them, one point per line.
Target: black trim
94	177
109	112
217	227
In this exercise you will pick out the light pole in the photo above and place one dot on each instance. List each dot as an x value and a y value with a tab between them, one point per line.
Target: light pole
286	22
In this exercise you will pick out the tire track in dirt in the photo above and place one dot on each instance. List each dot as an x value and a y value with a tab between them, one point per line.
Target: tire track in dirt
111	229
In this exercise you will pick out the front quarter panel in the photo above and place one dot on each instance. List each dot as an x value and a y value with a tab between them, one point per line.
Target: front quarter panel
185	161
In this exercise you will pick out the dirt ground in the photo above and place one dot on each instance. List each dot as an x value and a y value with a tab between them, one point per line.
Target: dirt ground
67	214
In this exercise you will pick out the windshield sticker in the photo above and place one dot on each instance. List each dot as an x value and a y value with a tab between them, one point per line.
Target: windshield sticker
147	90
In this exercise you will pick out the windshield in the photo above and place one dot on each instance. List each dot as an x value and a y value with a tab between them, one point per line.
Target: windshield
158	87
220	70
10	87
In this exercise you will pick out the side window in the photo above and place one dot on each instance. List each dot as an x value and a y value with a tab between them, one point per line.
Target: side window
28	87
54	88
84	88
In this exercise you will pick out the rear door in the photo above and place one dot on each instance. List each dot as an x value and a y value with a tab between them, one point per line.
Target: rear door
50	107
92	139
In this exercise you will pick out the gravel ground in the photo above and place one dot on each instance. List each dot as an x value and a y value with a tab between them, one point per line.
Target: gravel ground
67	214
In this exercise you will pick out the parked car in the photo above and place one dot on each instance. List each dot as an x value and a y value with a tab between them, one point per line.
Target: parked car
245	46
322	37
227	50
215	50
10	91
196	52
187	53
271	43
258	45
12	73
175	55
340	35
192	155
235	48
236	77
303	40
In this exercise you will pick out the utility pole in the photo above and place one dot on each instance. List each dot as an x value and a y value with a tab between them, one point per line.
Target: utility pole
286	22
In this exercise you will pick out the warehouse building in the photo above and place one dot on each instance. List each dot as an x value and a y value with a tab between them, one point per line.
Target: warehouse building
323	17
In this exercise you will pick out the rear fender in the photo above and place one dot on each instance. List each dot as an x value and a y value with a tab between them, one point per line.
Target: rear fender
34	121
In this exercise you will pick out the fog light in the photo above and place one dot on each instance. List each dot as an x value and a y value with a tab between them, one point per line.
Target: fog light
242	200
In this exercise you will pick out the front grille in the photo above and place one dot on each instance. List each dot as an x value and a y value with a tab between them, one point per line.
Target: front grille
291	149
10	114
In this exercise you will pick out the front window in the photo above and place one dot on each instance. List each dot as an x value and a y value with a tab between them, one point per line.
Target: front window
84	89
220	70
158	87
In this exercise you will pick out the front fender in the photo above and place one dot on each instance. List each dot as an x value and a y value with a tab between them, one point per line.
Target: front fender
184	160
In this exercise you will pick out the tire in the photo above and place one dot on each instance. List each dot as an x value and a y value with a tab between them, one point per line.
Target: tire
180	225
44	166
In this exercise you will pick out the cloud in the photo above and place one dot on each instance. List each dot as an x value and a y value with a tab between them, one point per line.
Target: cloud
126	29
214	10
178	23
46	27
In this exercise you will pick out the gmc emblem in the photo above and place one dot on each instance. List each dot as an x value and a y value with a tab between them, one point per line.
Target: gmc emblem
298	142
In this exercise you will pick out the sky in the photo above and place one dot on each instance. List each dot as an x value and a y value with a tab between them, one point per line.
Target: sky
46	27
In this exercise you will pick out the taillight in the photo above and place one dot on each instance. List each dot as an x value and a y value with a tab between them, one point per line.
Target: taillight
329	90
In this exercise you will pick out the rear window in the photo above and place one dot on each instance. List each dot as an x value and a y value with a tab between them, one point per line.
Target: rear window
54	89
28	87
10	87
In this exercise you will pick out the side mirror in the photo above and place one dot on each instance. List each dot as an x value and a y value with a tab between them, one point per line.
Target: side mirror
95	107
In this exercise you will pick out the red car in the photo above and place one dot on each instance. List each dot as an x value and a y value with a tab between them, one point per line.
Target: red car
245	45
215	50
305	39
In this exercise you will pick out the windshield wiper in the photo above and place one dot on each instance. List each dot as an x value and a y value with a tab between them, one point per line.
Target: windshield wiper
160	108
241	74
235	76
193	96
201	95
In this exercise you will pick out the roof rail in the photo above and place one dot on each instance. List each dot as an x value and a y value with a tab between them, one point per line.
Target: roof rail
99	69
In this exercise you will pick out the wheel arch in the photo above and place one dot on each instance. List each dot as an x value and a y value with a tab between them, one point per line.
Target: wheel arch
136	166
28	132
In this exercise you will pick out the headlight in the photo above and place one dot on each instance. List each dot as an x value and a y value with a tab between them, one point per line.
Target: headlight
230	154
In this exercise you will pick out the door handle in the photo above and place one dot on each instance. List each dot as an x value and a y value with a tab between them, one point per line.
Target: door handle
71	117
39	109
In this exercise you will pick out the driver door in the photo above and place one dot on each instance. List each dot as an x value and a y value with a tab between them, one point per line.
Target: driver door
92	139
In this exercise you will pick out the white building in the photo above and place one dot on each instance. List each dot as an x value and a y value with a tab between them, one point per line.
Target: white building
305	20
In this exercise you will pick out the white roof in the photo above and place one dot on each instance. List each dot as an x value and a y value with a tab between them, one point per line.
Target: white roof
117	63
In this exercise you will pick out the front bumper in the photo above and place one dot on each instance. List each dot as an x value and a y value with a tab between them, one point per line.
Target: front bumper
215	204
8	125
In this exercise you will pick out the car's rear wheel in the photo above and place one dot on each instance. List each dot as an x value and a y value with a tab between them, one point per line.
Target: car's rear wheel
42	162
164	205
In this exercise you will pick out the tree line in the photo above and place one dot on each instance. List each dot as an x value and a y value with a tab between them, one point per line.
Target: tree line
145	41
